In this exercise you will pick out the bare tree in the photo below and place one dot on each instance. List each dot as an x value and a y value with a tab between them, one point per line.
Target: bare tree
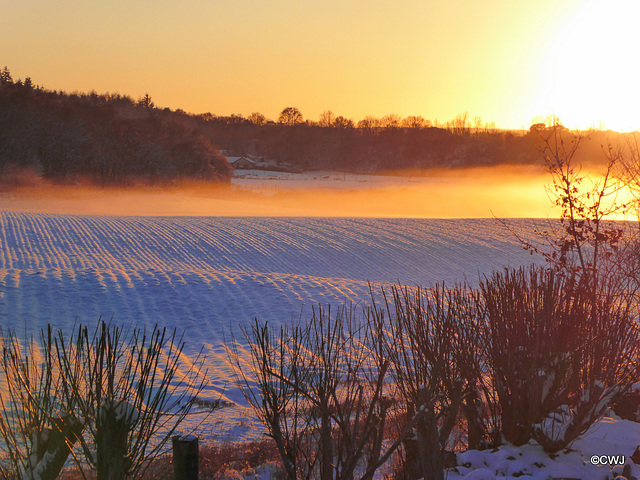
416	122
477	125
390	121
460	125
370	124
342	122
257	118
587	241
327	119
290	116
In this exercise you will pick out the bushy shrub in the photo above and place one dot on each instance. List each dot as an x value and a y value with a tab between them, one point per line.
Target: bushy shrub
109	391
556	358
534	321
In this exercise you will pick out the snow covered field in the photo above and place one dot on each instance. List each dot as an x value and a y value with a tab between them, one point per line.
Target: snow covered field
210	275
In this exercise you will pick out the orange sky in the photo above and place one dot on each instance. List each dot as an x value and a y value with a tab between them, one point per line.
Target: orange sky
506	61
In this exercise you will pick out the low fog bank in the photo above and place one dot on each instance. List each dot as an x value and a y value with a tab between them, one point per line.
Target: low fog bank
512	191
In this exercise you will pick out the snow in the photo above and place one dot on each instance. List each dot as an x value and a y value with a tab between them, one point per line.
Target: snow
608	436
209	276
125	411
272	181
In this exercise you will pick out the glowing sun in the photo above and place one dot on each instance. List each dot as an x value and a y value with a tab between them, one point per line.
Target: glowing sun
591	70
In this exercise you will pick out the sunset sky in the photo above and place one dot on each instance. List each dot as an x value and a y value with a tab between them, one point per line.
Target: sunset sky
507	61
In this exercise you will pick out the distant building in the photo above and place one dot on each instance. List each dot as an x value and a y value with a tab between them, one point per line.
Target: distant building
252	162
243	163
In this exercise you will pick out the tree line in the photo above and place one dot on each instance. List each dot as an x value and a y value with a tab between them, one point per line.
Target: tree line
108	138
388	143
115	139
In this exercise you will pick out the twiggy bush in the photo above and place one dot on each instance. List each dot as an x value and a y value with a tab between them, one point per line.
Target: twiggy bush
319	389
269	380
430	339
482	418
120	394
128	388
531	336
555	360
35	425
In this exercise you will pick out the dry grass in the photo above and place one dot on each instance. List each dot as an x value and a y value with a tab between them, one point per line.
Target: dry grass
226	461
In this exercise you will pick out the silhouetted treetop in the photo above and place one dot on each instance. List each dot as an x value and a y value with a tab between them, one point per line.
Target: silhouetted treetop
257	118
290	116
342	122
146	101
5	76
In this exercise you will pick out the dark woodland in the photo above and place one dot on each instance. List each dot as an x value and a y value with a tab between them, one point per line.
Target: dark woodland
112	139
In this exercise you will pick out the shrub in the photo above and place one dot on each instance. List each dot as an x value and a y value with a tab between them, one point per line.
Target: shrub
555	360
429	336
319	390
120	394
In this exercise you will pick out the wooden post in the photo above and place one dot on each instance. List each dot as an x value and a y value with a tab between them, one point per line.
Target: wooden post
185	457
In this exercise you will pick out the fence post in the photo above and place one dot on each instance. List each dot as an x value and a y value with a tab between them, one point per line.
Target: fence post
185	457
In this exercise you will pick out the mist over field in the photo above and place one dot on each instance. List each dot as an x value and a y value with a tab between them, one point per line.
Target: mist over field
505	191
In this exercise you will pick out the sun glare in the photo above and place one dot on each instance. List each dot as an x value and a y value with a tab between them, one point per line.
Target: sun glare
591	70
